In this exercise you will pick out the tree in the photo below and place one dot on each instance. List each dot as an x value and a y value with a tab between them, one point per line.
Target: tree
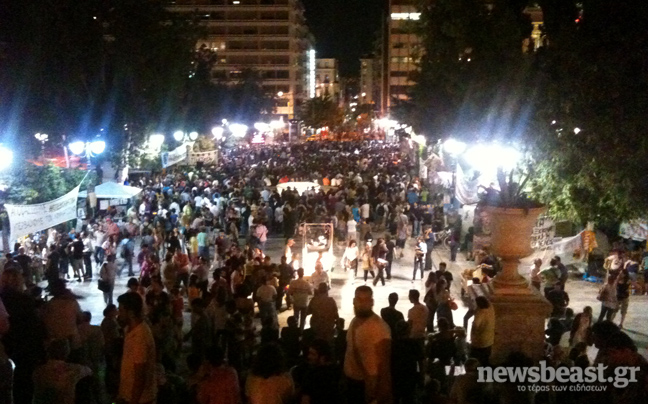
590	121
319	112
70	68
472	70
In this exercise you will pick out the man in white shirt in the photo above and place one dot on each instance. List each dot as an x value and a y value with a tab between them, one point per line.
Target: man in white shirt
137	381
365	210
368	353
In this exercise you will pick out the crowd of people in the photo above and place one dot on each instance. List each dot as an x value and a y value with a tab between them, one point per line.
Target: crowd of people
199	321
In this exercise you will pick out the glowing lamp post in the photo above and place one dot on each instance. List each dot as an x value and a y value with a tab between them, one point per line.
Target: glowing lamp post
6	158
184	137
42	138
87	149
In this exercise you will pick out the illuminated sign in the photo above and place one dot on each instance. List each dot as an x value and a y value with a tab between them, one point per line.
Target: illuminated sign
311	73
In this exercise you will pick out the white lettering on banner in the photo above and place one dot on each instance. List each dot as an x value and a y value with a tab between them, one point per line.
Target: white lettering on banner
636	230
208	157
27	219
174	156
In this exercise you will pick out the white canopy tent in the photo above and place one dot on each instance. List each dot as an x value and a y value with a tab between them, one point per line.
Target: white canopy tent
112	190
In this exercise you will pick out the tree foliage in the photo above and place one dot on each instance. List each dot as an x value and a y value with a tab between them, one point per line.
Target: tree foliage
578	103
319	112
38	184
594	85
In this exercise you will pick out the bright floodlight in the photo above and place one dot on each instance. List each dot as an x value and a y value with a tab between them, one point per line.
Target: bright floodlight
97	147
178	135
156	140
6	158
217	131
280	94
278	124
41	137
577	130
76	147
238	130
261	126
488	158
454	147
193	135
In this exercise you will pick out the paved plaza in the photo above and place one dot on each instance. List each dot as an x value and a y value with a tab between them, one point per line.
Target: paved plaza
581	293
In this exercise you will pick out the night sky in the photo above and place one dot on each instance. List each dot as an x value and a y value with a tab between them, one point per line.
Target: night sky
344	29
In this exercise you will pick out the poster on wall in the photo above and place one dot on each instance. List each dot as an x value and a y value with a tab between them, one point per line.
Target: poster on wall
27	219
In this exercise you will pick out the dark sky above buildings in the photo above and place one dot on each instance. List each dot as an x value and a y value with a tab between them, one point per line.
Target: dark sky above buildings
344	29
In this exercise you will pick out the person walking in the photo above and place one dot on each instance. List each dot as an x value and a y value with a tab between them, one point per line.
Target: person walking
366	260
379	256
419	257
367	359
623	295
608	298
350	258
107	275
429	241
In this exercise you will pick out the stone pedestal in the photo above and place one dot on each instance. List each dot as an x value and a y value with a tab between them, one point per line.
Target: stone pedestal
520	312
519	324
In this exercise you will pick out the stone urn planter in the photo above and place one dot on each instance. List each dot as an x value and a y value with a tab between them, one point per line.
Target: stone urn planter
511	240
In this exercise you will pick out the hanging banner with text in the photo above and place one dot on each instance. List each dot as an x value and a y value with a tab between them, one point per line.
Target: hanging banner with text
207	158
174	156
635	230
28	219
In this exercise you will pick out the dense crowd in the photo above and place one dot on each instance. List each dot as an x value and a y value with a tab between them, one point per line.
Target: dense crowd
199	322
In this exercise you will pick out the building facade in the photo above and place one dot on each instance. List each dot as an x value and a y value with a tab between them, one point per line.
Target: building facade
402	50
369	81
269	37
327	79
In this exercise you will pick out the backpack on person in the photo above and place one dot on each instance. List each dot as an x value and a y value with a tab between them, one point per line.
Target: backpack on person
380	211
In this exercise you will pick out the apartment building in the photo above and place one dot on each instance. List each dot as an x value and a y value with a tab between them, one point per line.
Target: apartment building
327	79
369	90
266	36
403	50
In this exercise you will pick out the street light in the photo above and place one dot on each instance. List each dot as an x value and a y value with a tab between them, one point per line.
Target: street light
488	158
89	149
155	143
238	130
6	158
218	131
454	147
42	138
181	136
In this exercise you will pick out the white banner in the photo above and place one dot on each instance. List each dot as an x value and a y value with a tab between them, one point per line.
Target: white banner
174	156
466	188
27	219
207	158
636	230
543	233
568	245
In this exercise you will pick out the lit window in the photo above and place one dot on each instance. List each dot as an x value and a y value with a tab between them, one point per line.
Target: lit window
406	16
